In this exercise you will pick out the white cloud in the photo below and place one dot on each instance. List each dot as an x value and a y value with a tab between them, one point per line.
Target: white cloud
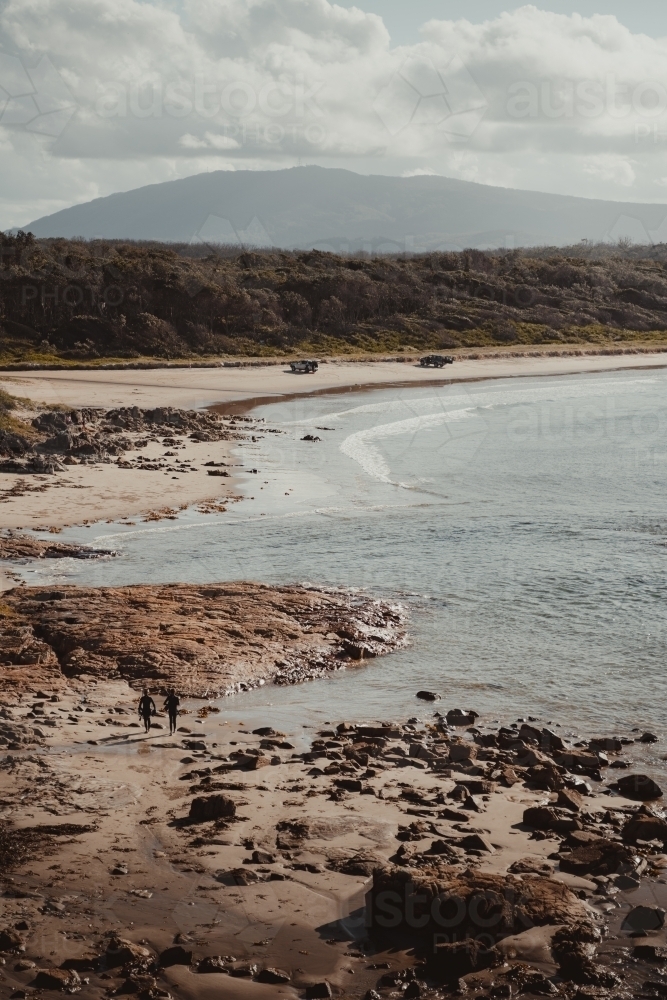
527	99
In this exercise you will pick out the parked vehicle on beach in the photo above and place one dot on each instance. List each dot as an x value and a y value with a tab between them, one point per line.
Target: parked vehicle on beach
437	360
304	367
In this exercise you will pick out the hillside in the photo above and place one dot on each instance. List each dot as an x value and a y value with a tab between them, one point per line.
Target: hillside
339	210
73	300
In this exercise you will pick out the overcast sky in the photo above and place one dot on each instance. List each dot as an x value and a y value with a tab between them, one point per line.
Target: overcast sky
99	96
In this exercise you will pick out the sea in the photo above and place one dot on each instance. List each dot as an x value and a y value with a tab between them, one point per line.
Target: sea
521	523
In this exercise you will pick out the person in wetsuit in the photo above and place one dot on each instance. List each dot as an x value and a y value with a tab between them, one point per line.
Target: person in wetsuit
146	708
171	703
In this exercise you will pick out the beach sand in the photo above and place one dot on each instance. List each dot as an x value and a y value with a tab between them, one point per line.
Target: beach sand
94	493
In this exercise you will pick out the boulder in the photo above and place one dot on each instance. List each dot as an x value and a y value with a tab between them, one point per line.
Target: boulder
177	955
11	941
57	979
573	949
550	818
408	907
644	918
648	738
546	776
272	976
643	825
212	963
123	952
318	991
451	960
638	786
569	799
455	717
599	857
428	696
207	807
577	759
608	744
348	784
462	751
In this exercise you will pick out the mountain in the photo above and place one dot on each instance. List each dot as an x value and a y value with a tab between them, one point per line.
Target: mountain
306	207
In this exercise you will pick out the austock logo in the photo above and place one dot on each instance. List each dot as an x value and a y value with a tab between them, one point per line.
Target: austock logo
36	100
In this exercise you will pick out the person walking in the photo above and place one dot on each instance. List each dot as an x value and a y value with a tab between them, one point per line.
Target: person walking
171	703
146	709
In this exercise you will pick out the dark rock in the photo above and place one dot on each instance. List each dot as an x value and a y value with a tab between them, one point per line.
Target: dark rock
549	818
455	717
428	695
212	963
318	991
57	979
209	807
573	949
609	744
176	955
452	960
122	952
238	876
243	971
649	953
263	858
414	990
643	825
546	776
638	786
644	918
475	842
569	799
599	857
348	784
273	976
648	738
11	941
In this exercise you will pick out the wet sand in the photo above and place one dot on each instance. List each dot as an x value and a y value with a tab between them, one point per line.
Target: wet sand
282	884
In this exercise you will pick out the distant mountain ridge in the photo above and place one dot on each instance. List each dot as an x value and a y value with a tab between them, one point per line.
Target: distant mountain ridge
334	209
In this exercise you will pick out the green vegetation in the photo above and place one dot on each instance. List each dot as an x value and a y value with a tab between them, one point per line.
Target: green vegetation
66	302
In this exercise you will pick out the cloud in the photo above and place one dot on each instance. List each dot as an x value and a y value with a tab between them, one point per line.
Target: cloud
526	99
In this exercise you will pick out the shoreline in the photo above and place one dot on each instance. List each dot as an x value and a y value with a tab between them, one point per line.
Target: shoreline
112	496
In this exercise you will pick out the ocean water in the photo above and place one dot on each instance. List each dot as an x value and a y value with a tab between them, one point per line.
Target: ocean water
522	523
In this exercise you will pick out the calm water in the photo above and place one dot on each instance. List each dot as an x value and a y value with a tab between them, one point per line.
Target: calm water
523	522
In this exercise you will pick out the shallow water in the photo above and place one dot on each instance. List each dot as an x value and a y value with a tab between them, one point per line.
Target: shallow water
522	522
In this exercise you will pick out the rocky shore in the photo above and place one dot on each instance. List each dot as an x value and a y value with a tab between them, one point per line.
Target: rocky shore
428	858
206	640
56	438
18	547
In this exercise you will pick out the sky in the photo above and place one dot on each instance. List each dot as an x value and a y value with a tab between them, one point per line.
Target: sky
98	96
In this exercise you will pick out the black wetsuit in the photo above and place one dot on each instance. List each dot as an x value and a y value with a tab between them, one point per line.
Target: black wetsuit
146	709
171	703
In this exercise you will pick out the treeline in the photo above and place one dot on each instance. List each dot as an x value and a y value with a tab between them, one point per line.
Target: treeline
74	299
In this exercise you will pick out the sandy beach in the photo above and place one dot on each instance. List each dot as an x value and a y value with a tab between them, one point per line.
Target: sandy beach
85	494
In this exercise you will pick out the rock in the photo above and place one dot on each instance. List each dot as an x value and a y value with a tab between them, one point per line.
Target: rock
243	970
362	863
455	717
177	955
643	825
649	953
209	807
648	738
644	918
10	941
450	961
573	949
546	776
570	759
399	894
611	745
57	979
212	963
238	876
414	990
549	818
348	784
272	976
318	991
254	763
263	858
462	751
599	857
638	786
476	842
122	952
138	633
569	799
428	696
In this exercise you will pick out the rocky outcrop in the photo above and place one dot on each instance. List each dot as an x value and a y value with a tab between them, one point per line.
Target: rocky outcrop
203	640
14	545
56	438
